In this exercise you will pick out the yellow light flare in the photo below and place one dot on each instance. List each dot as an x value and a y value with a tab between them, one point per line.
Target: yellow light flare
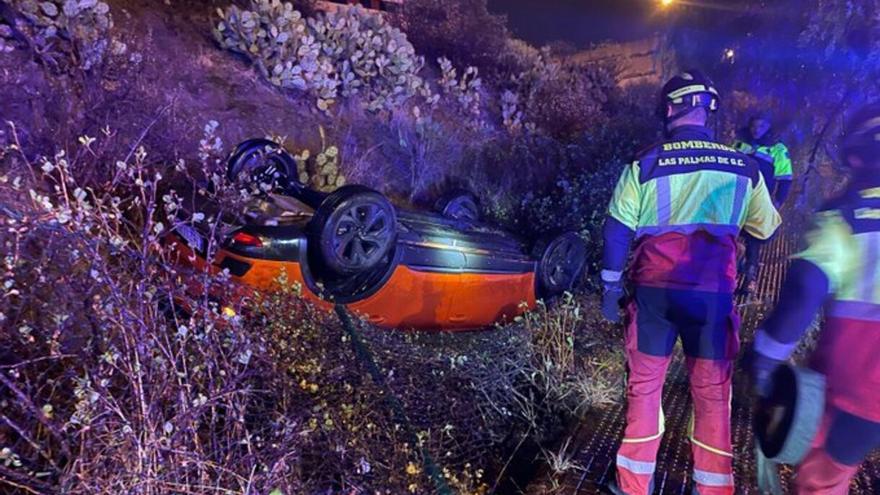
666	3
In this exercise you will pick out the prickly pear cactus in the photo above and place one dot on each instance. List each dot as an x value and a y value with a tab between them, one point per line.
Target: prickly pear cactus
465	91
279	42
320	172
347	53
85	22
374	59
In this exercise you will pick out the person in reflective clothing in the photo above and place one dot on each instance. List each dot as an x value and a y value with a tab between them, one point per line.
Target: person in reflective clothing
682	203
839	269
760	142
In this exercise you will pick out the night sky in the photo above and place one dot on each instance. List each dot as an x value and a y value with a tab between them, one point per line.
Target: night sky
579	22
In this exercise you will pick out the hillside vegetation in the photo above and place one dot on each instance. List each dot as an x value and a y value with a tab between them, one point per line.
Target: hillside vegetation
115	113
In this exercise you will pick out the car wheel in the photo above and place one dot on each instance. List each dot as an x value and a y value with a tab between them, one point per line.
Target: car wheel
460	205
354	229
261	164
561	264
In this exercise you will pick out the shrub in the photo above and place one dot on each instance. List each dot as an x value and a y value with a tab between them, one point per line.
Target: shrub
507	169
112	391
576	202
348	53
421	140
563	184
463	31
630	126
84	23
575	360
278	40
413	155
465	92
511	114
117	379
516	58
6	39
373	59
564	100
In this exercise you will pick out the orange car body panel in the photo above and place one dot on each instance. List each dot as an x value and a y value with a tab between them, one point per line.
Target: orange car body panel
410	299
451	301
266	275
263	275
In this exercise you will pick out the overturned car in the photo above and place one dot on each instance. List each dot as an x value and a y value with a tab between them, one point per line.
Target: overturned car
398	268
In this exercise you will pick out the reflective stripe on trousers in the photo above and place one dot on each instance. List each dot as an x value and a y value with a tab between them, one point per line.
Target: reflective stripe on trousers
636	467
710	388
706	478
710	425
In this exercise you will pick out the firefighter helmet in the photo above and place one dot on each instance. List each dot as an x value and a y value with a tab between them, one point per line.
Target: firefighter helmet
686	91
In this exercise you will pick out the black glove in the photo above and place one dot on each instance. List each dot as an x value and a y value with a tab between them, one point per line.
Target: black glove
760	369
612	294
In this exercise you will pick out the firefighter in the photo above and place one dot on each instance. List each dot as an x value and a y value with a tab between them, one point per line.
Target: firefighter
759	141
839	266
682	202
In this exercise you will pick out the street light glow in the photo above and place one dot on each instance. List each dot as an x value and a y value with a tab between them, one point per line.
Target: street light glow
728	55
666	3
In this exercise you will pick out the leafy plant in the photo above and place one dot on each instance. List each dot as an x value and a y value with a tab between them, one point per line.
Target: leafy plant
511	114
346	53
463	31
6	39
322	172
373	59
84	23
464	91
561	99
279	42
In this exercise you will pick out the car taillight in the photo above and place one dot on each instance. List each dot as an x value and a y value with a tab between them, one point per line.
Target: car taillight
245	239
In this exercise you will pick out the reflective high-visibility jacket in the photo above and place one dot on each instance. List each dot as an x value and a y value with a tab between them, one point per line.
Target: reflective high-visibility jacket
684	201
842	259
775	164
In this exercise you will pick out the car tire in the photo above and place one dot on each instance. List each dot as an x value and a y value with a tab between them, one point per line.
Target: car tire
353	230
257	161
459	205
561	264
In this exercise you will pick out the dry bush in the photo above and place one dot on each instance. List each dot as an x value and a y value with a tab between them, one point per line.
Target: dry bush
575	356
574	363
122	373
564	100
109	389
463	31
414	154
